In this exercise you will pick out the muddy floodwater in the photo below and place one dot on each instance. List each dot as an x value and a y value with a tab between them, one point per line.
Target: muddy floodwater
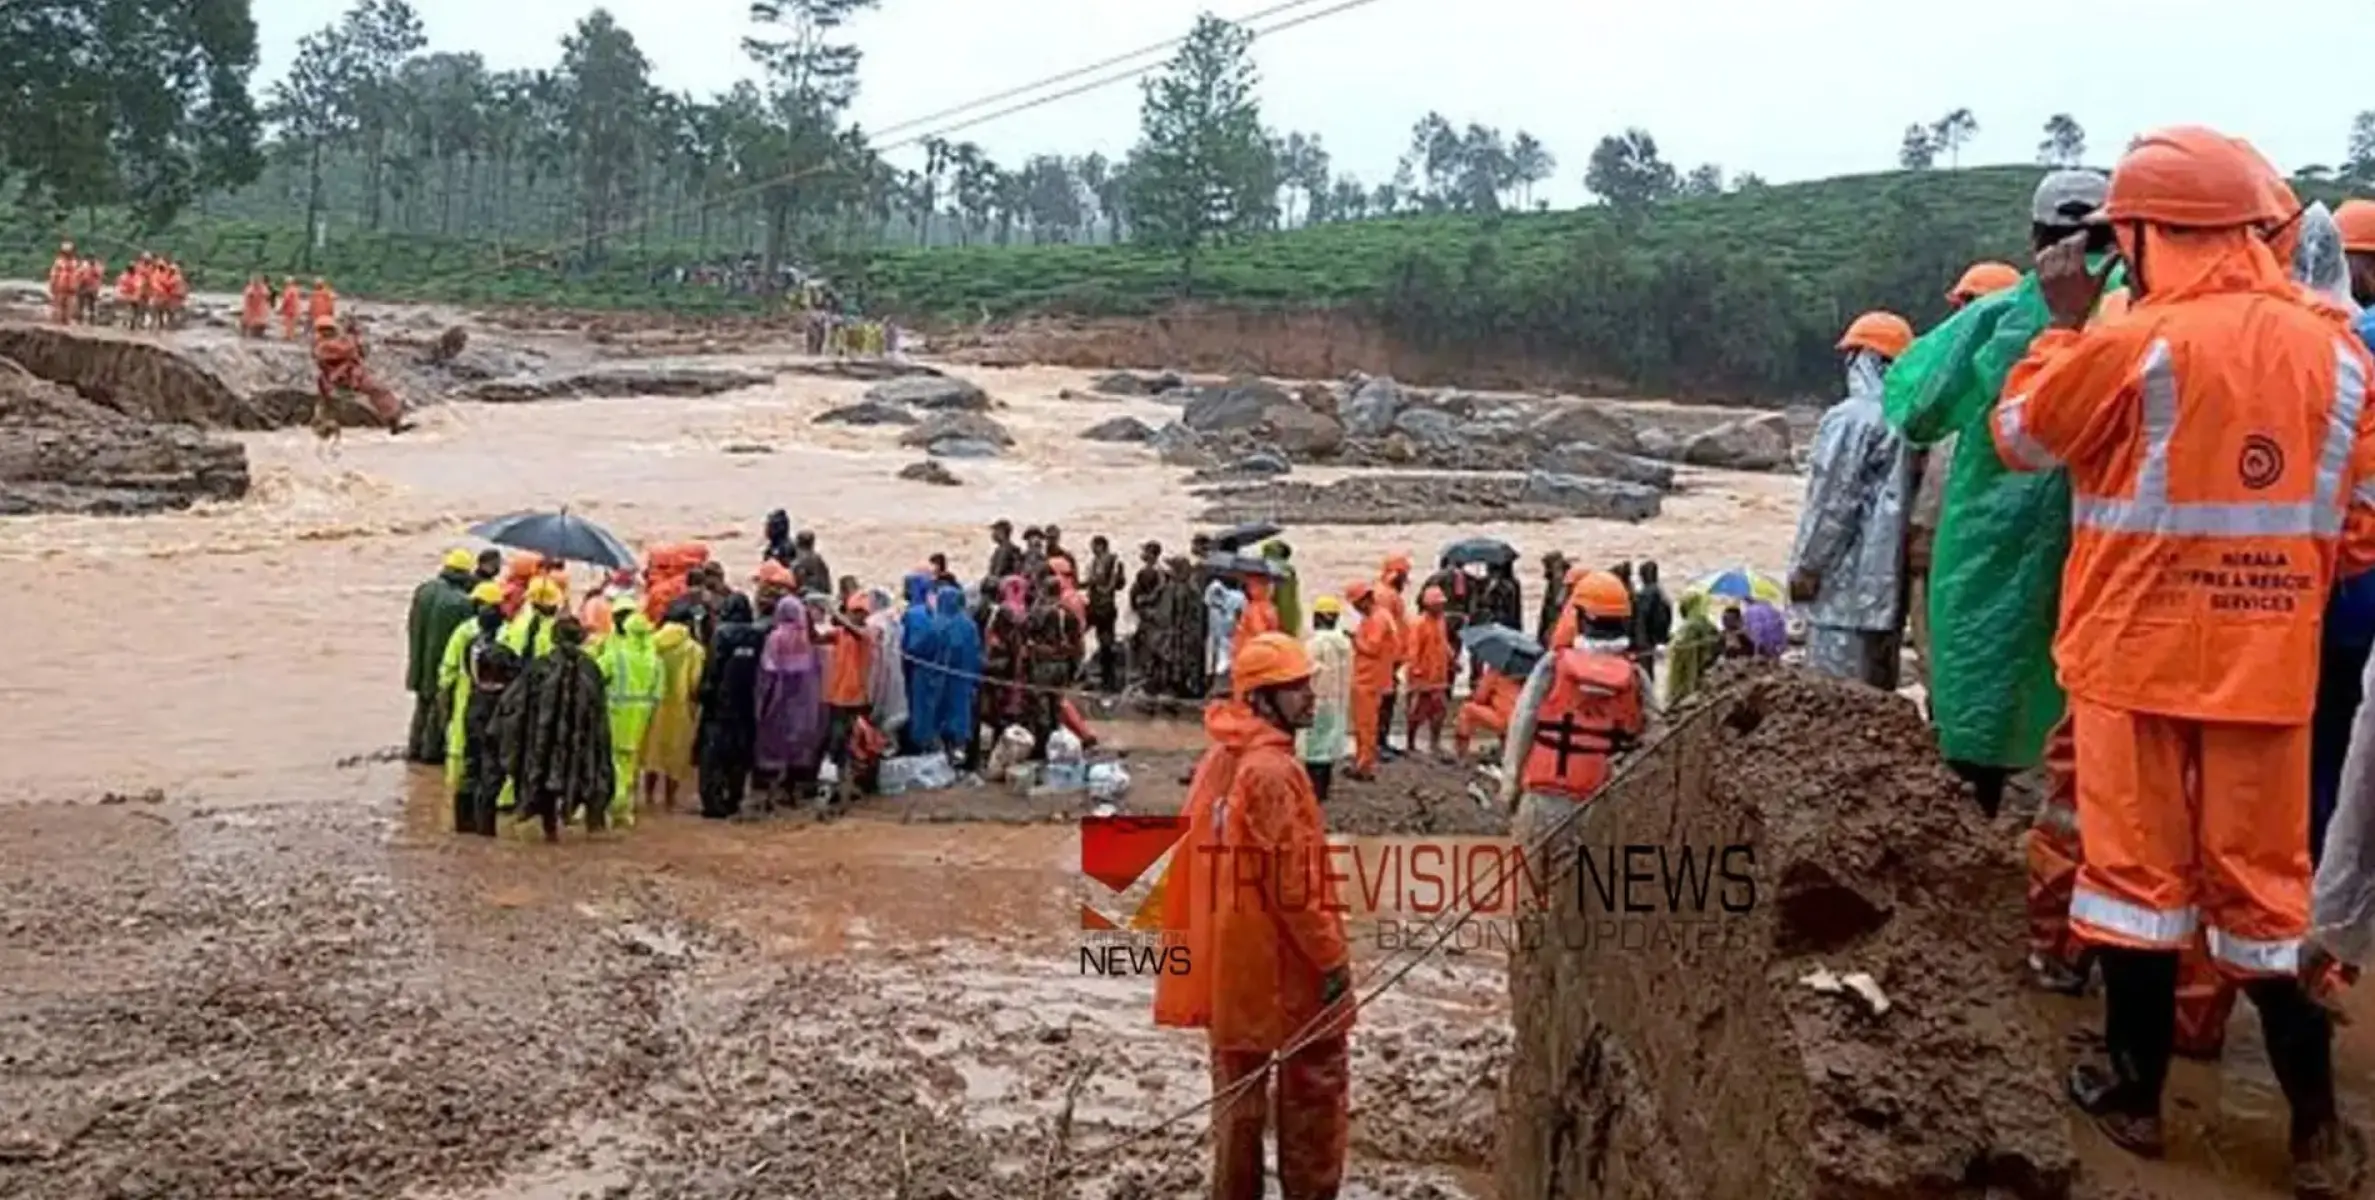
240	957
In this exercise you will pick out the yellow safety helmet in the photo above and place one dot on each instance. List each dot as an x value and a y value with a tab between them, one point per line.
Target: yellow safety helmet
544	590
1328	606
489	593
460	560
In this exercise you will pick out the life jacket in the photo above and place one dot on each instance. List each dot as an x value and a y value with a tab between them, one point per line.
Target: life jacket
1593	708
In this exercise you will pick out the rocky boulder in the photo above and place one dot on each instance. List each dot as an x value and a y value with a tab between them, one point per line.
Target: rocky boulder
1586	497
957	426
1120	429
1429	426
938	393
647	379
1758	443
964	448
1584	421
929	472
1372	407
1123	383
1258	407
1660	443
1583	458
866	412
1176	445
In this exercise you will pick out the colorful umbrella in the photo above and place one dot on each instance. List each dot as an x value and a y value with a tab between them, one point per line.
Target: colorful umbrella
1739	585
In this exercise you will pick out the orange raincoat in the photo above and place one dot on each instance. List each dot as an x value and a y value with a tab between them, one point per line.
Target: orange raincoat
291	303
1429	679
338	364
1249	895
2220	447
1495	699
255	309
324	304
1375	647
1261	612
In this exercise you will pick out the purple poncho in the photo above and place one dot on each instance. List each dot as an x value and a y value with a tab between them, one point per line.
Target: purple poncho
791	709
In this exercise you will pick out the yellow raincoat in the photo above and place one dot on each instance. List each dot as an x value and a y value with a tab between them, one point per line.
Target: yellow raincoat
668	745
631	680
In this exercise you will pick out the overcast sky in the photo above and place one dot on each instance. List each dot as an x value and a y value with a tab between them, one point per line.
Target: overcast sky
1790	91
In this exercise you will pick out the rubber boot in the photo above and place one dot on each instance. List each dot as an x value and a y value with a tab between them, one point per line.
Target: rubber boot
2139	1032
1987	784
2329	1157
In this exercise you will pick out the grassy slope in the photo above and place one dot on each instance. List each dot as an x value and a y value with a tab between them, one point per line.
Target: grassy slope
1808	229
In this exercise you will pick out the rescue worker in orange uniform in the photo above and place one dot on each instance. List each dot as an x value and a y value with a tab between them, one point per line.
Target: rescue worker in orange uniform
1429	679
62	270
338	364
173	294
1488	709
2222	466
1564	631
1269	977
1393	580
1981	279
1584	703
291	300
323	306
255	308
87	280
1261	610
127	294
1376	645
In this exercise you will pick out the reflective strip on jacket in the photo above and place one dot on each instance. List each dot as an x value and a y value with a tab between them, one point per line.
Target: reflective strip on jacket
2206	507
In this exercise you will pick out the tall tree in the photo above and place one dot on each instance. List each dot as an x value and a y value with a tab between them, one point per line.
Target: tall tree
1706	179
811	78
1531	163
2358	164
379	35
1626	172
1952	131
1051	198
1303	167
2064	144
138	102
607	103
305	107
1919	150
1203	166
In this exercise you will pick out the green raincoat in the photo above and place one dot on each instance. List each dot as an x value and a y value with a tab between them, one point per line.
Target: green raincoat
631	685
1996	565
437	607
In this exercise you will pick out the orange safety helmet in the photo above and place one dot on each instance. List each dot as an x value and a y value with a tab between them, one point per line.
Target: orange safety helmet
1603	597
1357	591
2356	220
1883	333
1984	278
1268	660
2193	177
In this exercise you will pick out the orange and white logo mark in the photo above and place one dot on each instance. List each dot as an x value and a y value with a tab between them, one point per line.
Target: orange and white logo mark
1125	859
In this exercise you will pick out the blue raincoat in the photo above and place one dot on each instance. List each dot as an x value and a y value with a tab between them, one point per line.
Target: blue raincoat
960	665
919	657
2342	659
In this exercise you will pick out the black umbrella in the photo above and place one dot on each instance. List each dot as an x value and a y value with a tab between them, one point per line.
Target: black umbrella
1238	537
1503	649
1492	552
557	535
1241	564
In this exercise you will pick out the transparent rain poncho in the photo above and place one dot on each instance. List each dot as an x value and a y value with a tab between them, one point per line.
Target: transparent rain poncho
1859	495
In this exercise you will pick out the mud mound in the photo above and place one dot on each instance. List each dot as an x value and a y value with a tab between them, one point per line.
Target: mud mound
1679	1052
137	378
1405	499
62	453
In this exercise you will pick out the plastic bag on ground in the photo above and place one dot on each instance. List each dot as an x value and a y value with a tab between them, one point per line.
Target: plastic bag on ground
1014	747
1108	781
1063	747
916	773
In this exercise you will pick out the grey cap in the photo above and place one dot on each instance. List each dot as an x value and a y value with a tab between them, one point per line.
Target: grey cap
2066	198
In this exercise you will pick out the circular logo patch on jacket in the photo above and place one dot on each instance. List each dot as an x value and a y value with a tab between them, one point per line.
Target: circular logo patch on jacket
2262	462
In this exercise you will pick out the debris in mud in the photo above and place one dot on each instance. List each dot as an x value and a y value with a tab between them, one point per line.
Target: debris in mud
866	412
1261	464
448	346
1119	429
970	426
747	448
957	447
150	796
1584	458
1449	499
929	471
1956	1093
942	393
